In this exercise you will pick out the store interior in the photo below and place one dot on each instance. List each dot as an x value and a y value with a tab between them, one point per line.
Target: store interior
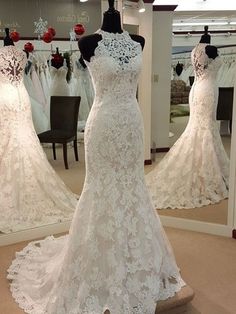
184	37
163	95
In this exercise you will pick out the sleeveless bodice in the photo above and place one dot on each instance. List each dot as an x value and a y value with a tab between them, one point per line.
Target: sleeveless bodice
12	65
204	67
115	67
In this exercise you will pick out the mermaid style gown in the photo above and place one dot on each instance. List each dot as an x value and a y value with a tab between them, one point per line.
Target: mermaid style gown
195	172
116	255
31	193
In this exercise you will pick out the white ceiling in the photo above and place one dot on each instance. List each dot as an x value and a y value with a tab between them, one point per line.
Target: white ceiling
203	11
199	5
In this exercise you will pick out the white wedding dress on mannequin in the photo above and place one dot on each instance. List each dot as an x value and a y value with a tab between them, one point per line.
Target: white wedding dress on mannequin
31	193
195	172
116	256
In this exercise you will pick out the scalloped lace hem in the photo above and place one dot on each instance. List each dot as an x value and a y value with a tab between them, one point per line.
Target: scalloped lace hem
166	290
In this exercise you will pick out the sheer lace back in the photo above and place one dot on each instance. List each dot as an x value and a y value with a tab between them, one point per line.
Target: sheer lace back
202	175
203	65
12	64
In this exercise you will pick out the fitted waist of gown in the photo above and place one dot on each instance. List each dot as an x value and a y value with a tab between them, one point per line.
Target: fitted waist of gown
115	97
18	99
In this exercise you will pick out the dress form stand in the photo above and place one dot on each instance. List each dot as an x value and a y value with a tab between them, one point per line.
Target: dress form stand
7	40
111	24
211	51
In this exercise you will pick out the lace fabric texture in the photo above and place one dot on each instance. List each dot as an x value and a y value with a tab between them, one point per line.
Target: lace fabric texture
31	193
195	172
116	256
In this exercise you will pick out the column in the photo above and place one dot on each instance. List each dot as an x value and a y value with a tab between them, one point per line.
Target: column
161	83
145	81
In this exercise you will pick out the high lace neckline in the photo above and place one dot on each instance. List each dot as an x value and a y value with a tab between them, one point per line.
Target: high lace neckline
113	35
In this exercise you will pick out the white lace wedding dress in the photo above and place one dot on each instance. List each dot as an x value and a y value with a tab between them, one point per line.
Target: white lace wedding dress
59	85
195	172
116	256
31	193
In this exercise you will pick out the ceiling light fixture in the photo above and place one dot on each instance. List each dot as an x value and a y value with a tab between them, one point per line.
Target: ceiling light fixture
141	7
199	23
83	0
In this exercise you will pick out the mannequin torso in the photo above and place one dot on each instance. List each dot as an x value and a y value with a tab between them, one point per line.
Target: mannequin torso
210	50
111	24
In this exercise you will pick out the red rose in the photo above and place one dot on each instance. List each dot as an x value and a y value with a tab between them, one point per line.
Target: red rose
28	47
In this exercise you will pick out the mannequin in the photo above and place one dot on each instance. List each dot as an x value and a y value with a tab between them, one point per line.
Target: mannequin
112	24
57	60
211	51
7	40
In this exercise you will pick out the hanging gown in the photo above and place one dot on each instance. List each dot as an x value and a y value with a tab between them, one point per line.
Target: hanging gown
59	85
77	89
195	172
31	193
40	120
39	94
116	256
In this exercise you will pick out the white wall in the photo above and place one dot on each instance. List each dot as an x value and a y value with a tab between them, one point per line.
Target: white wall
145	82
161	65
144	21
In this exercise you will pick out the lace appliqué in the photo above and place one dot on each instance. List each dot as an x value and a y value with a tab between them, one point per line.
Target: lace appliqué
12	64
202	64
118	46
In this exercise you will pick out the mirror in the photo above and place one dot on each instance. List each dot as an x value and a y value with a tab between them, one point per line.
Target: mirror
61	16
54	68
182	81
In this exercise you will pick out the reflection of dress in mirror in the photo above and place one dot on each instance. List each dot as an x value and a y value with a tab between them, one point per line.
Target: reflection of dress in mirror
31	193
40	120
59	85
195	172
116	256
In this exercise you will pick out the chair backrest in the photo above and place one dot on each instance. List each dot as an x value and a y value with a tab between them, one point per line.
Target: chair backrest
225	103
64	111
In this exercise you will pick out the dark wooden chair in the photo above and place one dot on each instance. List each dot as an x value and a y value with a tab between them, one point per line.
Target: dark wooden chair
225	105
64	111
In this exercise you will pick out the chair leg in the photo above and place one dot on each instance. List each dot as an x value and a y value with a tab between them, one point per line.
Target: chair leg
54	151
76	150
65	155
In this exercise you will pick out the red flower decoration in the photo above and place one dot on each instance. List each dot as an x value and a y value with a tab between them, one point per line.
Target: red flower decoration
28	47
15	36
47	37
52	31
79	29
